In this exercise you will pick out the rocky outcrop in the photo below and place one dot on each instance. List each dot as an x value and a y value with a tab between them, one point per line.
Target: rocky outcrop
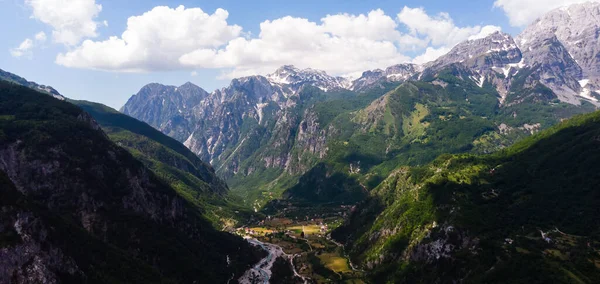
26	255
396	73
494	51
565	41
295	78
576	27
262	122
166	107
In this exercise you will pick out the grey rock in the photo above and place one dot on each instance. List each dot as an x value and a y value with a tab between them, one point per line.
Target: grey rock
396	73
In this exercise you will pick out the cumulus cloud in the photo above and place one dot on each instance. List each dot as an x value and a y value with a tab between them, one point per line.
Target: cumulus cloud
154	41
40	37
189	38
440	29
71	20
24	49
523	12
484	32
338	44
438	32
430	54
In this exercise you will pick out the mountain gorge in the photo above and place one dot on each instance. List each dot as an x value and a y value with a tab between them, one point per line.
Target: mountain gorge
262	133
192	178
477	167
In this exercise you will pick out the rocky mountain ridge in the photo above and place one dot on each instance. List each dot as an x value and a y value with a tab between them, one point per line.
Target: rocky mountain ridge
282	124
10	77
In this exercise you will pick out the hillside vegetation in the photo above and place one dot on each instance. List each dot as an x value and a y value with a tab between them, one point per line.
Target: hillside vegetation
79	208
529	213
193	179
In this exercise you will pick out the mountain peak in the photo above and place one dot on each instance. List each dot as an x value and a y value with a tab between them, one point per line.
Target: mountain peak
577	27
189	84
395	73
499	48
291	75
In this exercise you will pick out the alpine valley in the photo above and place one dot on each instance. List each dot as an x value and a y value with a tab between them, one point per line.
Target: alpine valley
478	167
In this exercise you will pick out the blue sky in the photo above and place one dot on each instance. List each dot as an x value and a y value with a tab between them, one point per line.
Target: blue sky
223	45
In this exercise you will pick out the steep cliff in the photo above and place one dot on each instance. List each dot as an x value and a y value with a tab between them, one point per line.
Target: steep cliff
84	209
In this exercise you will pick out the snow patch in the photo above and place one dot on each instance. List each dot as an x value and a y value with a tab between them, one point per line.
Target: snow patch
519	65
506	69
259	110
587	94
479	80
188	142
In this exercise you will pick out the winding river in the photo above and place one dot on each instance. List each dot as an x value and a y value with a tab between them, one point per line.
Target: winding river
262	270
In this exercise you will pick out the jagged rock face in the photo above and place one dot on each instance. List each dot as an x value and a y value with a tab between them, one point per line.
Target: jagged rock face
233	124
554	67
495	59
260	121
222	115
295	78
396	73
495	50
498	59
577	28
165	107
368	78
565	43
29	258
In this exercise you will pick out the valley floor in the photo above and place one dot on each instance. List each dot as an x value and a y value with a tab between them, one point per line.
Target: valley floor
304	245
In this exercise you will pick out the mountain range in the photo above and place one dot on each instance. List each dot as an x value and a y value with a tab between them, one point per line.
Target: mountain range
262	133
478	167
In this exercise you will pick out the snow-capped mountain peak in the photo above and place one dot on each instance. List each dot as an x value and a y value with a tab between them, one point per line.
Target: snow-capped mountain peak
577	27
295	77
498	47
396	73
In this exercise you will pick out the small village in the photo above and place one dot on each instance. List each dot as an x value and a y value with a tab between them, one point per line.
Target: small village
306	240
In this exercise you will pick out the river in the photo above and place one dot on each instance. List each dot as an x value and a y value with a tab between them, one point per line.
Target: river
262	270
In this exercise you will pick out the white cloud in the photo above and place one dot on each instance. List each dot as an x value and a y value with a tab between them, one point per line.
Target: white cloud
194	74
375	26
439	29
154	41
71	20
180	38
24	49
523	12
40	37
430	54
484	32
338	44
